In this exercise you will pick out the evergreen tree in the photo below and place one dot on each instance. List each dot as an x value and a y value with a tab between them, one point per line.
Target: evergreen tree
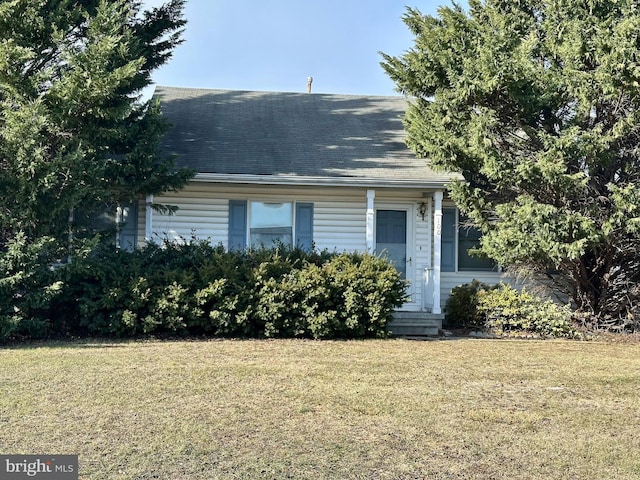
536	105
74	131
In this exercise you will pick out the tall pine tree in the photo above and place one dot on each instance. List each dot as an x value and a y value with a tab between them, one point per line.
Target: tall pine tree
74	131
536	103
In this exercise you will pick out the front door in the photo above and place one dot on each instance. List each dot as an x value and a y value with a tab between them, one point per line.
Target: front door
391	237
395	239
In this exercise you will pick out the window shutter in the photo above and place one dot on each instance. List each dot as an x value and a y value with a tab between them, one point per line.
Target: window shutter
448	254
237	224
304	226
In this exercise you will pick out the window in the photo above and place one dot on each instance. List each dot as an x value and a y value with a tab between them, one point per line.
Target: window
457	240
271	224
468	239
128	227
267	224
116	225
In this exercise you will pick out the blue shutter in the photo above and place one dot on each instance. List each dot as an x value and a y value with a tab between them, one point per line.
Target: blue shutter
237	224
448	256
304	226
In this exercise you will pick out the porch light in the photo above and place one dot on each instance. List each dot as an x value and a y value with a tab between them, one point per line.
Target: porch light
422	209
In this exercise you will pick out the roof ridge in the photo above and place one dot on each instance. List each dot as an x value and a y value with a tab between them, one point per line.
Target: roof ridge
276	92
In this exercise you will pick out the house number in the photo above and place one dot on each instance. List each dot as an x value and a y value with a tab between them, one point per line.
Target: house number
438	224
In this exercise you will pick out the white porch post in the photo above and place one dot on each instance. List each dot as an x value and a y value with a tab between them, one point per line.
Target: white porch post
371	195
427	295
148	224
437	249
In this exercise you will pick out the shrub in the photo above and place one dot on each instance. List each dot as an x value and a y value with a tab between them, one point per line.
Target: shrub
28	285
351	295
502	308
346	296
461	308
505	309
199	289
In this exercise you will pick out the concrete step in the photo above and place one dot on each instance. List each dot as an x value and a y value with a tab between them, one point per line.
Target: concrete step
415	324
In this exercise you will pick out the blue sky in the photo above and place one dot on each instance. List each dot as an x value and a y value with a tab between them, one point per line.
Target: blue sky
274	45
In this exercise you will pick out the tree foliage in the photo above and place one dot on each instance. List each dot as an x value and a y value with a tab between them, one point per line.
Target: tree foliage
536	105
74	131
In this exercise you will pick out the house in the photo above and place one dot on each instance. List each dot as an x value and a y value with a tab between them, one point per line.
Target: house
330	171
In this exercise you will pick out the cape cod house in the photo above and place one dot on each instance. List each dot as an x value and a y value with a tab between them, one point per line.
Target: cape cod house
320	171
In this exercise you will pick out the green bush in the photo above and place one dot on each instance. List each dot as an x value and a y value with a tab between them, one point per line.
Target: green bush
345	296
28	285
351	295
506	309
198	289
158	289
461	308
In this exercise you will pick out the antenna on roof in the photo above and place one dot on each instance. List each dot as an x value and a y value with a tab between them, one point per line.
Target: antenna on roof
309	82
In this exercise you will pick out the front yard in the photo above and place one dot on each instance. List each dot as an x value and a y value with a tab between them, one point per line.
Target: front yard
396	409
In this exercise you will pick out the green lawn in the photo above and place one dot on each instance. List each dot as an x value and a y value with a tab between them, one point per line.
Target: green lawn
396	409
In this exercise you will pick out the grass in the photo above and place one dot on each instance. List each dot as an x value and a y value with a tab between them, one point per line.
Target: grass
397	409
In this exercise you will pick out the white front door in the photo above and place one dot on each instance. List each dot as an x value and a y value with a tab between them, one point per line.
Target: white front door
394	240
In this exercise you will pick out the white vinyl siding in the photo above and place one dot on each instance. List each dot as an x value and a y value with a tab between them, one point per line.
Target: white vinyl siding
203	213
201	218
422	258
340	226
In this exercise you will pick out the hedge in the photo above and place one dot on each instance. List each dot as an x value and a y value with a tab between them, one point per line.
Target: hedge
194	288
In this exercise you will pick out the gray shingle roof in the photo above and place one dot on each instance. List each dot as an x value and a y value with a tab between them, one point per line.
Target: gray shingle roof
291	135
